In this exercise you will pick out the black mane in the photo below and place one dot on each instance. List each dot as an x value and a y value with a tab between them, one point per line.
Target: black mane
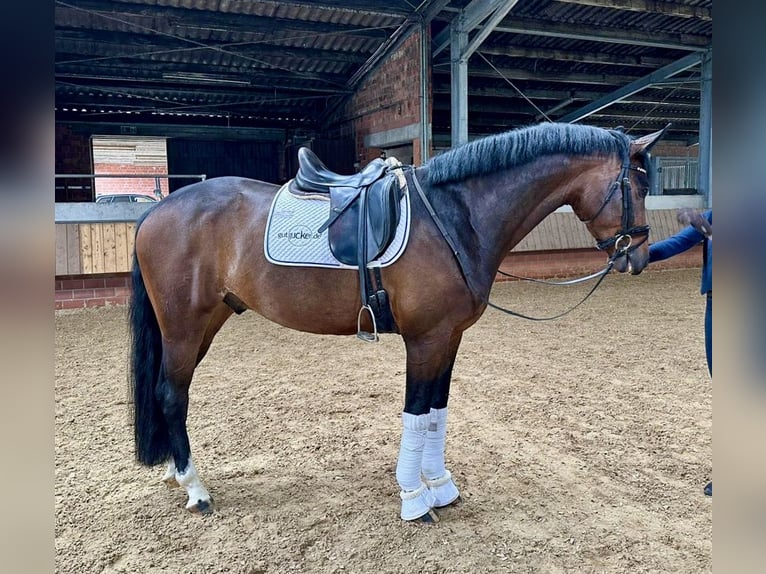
517	147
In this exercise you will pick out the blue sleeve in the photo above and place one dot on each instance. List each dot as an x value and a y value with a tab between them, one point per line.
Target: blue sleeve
685	239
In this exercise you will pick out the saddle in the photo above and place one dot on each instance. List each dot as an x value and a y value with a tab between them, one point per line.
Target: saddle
314	177
364	213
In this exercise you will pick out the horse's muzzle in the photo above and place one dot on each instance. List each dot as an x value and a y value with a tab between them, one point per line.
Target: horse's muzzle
632	261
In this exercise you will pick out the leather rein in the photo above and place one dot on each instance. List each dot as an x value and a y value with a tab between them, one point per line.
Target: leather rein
622	240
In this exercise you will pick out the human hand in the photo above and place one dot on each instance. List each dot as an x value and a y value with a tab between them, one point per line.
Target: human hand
689	216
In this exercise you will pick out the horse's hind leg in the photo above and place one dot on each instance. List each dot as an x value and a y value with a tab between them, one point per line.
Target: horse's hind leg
172	392
421	455
169	478
174	396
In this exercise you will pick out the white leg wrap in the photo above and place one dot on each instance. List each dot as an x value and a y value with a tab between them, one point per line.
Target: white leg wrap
433	451
417	500
416	503
193	485
437	477
443	489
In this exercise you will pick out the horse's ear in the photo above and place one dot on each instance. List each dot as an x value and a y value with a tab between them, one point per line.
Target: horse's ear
647	142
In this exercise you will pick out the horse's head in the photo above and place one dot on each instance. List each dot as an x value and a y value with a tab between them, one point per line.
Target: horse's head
613	207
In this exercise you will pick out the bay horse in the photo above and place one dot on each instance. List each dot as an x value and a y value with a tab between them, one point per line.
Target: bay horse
473	204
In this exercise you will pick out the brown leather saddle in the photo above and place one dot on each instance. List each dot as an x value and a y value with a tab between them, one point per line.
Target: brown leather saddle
364	213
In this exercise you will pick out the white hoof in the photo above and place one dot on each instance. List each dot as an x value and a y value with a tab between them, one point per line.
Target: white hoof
444	490
199	498
416	503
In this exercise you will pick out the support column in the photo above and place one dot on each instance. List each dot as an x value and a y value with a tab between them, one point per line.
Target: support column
459	81
425	118
705	176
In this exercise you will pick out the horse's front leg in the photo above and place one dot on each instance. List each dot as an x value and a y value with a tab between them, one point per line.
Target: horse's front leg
437	478
421	472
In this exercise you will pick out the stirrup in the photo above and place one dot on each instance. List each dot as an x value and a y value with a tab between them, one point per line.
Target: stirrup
364	335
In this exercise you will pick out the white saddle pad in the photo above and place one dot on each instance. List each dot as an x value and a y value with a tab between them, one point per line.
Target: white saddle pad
292	238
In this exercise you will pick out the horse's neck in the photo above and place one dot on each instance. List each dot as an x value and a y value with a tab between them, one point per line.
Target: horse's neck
511	204
502	208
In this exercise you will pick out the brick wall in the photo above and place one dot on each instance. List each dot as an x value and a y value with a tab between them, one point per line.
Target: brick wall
129	155
108	185
91	291
388	99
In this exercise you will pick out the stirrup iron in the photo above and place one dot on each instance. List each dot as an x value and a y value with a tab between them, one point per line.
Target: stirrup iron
364	335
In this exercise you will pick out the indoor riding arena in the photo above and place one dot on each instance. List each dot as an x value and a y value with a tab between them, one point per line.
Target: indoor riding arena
578	444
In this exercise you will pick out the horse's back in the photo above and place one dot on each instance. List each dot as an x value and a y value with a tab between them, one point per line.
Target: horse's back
218	193
203	226
209	201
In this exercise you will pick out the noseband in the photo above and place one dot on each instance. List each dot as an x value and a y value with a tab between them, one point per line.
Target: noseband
623	239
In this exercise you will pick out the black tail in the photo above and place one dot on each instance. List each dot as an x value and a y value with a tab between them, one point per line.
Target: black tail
151	431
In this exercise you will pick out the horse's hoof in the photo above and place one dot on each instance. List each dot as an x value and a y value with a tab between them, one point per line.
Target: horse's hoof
202	507
429	517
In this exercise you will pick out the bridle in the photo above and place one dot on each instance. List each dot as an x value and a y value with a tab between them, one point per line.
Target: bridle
623	239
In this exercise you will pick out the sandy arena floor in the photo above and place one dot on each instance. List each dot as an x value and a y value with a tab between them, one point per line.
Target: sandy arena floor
579	445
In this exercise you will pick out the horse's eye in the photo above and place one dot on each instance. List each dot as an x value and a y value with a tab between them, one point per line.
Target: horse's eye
642	181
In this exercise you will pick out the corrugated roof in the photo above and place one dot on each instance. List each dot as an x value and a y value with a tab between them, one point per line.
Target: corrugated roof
284	63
